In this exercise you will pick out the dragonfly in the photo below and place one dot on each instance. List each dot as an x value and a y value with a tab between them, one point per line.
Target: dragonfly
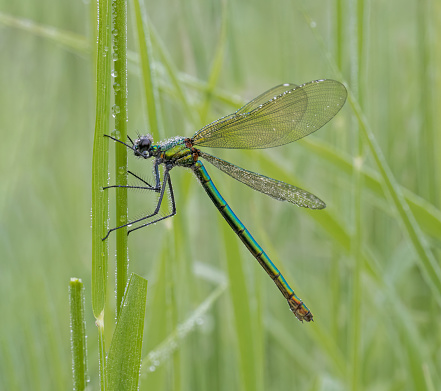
279	116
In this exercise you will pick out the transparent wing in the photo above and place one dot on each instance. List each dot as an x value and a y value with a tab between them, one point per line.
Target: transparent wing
279	190
279	116
265	97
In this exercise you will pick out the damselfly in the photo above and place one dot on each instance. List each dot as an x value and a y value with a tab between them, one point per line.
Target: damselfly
279	116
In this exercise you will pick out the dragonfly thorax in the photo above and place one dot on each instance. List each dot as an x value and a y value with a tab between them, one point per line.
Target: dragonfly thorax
180	155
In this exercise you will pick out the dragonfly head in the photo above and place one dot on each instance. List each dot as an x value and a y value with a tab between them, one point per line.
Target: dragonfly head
142	146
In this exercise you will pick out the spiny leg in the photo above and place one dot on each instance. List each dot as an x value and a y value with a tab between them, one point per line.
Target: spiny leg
143	181
173	212
148	187
158	206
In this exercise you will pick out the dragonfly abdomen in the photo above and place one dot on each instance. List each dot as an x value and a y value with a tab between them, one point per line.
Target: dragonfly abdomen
296	305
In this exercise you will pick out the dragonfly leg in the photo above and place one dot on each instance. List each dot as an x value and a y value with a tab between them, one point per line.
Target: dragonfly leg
143	181
173	212
156	188
148	187
158	206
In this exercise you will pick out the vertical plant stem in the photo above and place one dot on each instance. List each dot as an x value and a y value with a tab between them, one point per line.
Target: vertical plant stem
356	49
100	201
426	107
151	91
124	359
242	312
216	67
339	34
120	113
101	352
78	334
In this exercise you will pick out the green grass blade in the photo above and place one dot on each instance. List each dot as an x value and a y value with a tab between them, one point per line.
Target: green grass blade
68	39
161	353
124	357
120	113
427	216
78	334
151	92
217	63
102	354
243	320
425	259
100	201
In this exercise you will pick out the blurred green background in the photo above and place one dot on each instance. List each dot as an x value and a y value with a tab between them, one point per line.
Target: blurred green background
368	272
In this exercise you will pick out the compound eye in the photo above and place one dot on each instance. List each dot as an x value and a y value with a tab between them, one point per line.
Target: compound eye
143	144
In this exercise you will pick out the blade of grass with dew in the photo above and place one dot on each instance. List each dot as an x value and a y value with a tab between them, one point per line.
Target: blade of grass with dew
124	357
100	201
78	334
120	113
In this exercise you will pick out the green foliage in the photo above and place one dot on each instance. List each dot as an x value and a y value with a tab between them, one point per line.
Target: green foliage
124	356
367	266
78	334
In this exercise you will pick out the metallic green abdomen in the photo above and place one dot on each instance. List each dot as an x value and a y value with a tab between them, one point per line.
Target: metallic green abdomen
296	305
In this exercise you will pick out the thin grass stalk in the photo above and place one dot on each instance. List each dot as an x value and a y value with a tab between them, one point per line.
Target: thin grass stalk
78	334
68	39
172	72
426	136
217	64
425	259
101	353
241	307
100	199
356	49
339	33
120	113
151	91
